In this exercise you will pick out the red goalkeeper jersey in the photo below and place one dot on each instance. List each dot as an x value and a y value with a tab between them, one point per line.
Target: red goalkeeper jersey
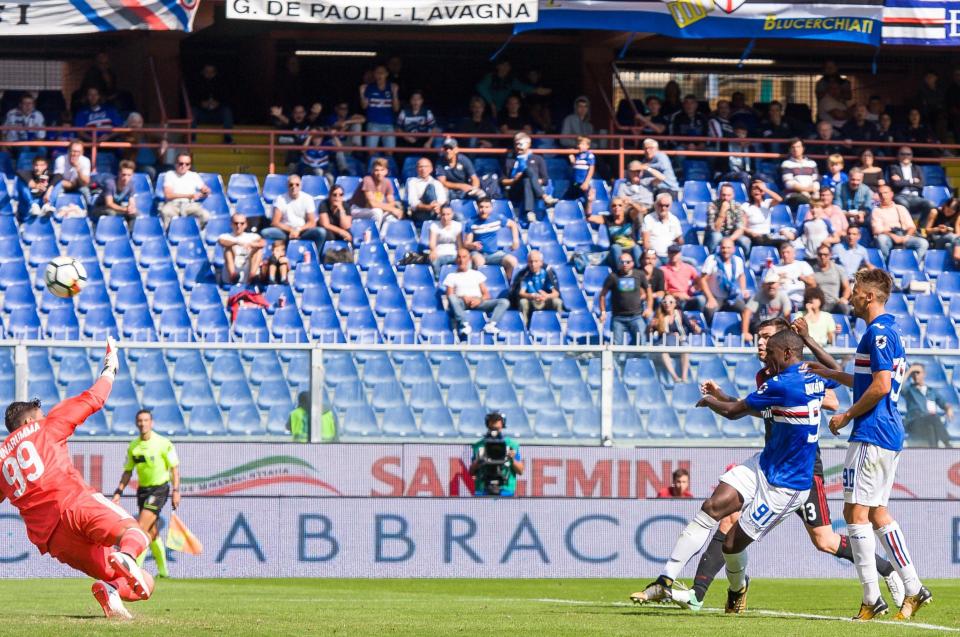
38	476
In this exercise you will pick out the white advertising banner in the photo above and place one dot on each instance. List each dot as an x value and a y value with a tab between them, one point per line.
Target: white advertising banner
49	17
509	538
396	12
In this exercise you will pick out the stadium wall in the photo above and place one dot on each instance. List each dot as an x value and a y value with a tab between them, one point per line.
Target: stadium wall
272	510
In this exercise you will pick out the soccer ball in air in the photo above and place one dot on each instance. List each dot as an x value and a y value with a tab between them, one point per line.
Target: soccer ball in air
65	277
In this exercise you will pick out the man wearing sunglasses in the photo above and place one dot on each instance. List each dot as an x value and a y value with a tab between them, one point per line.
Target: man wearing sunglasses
183	190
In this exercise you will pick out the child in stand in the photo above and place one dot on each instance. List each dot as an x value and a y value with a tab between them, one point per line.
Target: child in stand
584	167
278	265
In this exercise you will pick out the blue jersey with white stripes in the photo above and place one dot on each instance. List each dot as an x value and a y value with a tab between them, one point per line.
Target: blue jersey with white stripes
880	349
793	399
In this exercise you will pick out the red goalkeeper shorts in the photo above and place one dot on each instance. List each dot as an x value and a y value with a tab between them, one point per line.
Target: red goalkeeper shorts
87	533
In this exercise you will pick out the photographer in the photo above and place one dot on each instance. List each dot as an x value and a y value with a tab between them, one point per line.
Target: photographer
496	461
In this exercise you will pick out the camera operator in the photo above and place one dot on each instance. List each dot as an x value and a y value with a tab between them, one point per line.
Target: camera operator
496	461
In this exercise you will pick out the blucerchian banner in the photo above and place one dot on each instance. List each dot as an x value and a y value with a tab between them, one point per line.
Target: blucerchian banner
509	538
395	12
49	17
424	470
841	21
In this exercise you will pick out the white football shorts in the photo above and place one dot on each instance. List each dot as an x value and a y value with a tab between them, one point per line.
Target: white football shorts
868	474
764	505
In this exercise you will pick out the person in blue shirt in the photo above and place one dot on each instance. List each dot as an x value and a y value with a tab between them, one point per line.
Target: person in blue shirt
380	100
870	467
584	167
480	237
768	486
96	115
416	118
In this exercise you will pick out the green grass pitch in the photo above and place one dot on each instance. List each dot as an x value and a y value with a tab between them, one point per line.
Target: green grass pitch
424	608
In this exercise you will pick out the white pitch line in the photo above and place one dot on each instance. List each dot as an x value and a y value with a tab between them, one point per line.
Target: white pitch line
766	613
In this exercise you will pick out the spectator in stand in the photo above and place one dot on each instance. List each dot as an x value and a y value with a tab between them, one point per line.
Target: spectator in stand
525	178
723	281
832	107
725	218
457	174
682	280
679	487
622	230
649	265
831	75
212	107
416	118
739	168
892	227
906	179
820	324
670	326
480	238
342	120
854	198
584	165
662	229
25	115
800	177
333	216
875	108
512	119
445	240
633	193
297	122
794	276
943	228
500	83
242	252
758	213
653	122
872	174
72	171
775	127
315	160
658	162
380	101
923	422
815	229
276	269
34	187
183	190
97	115
576	123
833	213
374	199
885	131
478	124
825	133
769	302
851	254
671	98
739	109
535	288
832	282
719	124
467	290
629	112
147	158
632	302
688	122
835	175
295	217
858	128
118	196
425	195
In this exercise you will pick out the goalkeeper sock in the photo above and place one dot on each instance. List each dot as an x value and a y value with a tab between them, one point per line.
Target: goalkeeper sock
711	561
160	555
844	552
142	558
736	570
891	537
134	541
691	540
864	545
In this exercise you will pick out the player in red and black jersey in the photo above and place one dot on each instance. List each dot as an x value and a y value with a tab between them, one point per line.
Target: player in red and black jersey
815	512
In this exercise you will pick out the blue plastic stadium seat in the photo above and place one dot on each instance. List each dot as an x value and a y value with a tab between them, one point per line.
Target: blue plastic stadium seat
244	420
251	326
206	420
701	423
325	326
435	328
948	285
349	184
545	328
287	326
662	422
146	229
31	230
138	325
175	325
685	396
899	262
361	327
594	277
941	333
182	229
118	251
927	306
242	185
713	369
197	394
742	428
417	276
726	328
344	275
274	393
577	236
565	373
936	194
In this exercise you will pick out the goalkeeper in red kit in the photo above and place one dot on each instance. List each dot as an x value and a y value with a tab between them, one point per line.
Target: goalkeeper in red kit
64	515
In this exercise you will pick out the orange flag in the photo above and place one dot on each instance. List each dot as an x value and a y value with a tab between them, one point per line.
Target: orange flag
179	537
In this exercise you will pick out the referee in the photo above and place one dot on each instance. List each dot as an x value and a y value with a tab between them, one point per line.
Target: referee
157	466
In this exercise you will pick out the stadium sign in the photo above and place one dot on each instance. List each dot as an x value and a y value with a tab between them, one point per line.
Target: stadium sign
401	12
858	22
921	22
50	17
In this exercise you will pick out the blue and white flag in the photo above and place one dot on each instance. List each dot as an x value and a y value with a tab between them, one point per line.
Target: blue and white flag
921	22
49	17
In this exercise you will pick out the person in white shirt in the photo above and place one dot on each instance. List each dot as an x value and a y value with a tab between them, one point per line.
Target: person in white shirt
445	239
467	290
801	180
183	190
295	217
759	214
724	281
25	115
425	195
661	229
242	252
795	276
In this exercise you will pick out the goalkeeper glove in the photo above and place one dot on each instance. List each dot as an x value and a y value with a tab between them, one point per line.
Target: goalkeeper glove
111	360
